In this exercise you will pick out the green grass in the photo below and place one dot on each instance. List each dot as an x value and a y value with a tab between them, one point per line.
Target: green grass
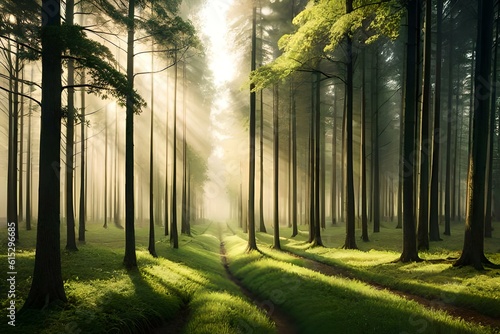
105	298
434	279
322	304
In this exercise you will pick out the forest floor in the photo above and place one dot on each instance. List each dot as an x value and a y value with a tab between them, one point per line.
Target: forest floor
212	285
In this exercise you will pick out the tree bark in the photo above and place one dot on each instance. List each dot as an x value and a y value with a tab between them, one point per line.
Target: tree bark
473	248
130	259
436	136
252	243
423	217
47	284
276	223
410	253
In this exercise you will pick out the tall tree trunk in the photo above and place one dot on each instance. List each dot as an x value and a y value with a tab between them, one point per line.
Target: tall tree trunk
252	243
364	218
488	228
447	198
276	157
333	192
70	142
28	162
410	252
473	249
130	259
151	244
423	217
185	221
12	214
375	146
82	214
21	147
47	285
174	236
350	239
262	226
166	167
317	163
294	164
434	208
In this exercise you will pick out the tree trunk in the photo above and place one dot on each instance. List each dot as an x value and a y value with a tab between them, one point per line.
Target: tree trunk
151	245
174	236
333	192
473	249
276	223
410	253
364	218
423	217
130	260
447	198
350	240
47	284
70	142
294	166
252	243
375	146
28	163
436	136
262	226
83	169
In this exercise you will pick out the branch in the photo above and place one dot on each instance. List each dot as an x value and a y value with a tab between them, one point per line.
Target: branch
84	86
23	95
154	72
21	43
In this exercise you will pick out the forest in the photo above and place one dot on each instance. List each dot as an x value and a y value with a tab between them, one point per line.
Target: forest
251	166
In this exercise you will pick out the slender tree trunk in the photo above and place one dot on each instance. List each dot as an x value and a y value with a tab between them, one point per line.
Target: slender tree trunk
375	146
252	243
130	259
28	163
423	217
166	166
447	199
410	252
21	148
434	208
488	228
184	155
47	285
334	161
317	162
364	218
151	245
82	213
473	249
276	223
70	142
174	236
294	165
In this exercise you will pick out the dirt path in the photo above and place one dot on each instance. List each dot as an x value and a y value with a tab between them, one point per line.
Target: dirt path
283	323
466	314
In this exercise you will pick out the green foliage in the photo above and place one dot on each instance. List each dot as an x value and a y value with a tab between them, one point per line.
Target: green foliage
321	28
99	63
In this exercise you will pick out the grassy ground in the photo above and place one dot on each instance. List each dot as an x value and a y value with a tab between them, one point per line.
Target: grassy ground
331	304
183	290
435	278
186	290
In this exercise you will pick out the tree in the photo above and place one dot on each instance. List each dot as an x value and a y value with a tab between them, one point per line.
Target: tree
434	177
473	248
364	218
47	284
350	241
70	141
276	223
252	243
423	217
410	253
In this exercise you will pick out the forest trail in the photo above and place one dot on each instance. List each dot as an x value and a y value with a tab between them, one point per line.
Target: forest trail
284	324
466	314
